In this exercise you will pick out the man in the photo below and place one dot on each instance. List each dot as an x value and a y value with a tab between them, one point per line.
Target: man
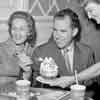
91	8
65	37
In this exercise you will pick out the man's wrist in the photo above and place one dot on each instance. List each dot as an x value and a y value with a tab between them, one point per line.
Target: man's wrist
73	79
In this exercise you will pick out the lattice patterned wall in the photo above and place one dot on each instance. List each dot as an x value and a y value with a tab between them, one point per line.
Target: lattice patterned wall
43	10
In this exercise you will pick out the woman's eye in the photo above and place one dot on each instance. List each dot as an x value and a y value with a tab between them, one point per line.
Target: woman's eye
20	29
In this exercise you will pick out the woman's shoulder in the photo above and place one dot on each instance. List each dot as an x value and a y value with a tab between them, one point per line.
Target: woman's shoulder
7	46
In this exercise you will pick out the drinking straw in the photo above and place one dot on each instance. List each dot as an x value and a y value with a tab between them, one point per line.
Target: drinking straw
76	78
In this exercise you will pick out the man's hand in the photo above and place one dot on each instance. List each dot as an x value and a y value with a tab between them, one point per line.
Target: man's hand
63	81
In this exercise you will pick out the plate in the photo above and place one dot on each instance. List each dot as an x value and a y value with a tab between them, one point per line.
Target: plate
44	80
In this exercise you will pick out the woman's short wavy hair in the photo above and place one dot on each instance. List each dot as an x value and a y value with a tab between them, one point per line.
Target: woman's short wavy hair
31	39
85	2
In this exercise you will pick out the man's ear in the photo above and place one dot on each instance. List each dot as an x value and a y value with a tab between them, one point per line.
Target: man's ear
75	32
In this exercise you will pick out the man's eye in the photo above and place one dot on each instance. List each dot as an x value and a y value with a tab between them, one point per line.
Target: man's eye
89	11
63	31
54	29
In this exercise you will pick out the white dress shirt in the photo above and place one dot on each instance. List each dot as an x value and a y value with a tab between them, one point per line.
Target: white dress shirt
70	51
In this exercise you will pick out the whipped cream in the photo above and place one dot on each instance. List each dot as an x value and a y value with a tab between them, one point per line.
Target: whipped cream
48	68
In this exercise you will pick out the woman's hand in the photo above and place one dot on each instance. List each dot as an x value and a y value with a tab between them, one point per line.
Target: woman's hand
25	64
63	81
24	61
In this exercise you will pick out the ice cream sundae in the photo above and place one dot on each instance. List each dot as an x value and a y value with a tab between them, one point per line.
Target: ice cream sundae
48	68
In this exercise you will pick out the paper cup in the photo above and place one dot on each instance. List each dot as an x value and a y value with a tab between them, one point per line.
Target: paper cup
78	92
23	89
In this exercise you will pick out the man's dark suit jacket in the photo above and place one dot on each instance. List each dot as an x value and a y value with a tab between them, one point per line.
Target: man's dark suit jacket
83	58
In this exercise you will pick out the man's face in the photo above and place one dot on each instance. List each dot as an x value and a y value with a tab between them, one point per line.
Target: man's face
19	30
63	32
93	11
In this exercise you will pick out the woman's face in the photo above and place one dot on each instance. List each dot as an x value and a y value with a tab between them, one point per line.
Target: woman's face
19	30
93	11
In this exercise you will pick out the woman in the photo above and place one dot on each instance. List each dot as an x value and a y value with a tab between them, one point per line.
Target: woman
92	9
20	44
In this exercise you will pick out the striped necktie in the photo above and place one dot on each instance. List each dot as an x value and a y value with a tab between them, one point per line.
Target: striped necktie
67	61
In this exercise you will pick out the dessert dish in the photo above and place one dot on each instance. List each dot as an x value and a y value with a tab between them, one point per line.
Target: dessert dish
48	68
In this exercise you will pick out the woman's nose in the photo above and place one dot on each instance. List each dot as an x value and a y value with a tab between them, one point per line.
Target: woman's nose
17	35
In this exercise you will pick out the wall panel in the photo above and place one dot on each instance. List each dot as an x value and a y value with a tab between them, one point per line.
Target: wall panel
90	35
42	11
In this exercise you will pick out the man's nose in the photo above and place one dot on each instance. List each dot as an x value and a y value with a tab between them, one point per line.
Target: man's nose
57	37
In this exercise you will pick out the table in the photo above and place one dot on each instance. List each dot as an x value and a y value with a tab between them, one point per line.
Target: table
42	94
50	94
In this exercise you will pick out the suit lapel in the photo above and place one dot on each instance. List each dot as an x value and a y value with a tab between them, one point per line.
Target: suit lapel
77	58
61	63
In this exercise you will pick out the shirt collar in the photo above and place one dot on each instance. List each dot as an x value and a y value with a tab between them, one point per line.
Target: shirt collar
70	47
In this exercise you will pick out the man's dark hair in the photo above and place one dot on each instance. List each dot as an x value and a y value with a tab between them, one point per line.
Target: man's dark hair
31	39
75	22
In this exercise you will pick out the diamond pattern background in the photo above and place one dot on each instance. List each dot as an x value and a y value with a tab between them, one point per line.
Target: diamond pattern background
90	35
44	7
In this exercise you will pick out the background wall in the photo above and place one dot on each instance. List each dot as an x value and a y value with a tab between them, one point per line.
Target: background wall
43	10
90	35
